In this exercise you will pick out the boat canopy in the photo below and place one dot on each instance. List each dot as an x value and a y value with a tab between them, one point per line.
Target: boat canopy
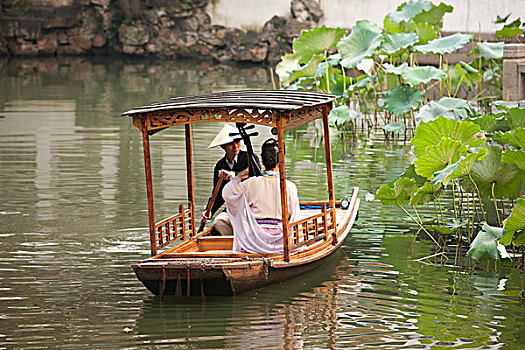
263	107
281	109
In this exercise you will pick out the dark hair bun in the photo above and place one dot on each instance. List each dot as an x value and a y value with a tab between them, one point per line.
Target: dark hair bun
270	153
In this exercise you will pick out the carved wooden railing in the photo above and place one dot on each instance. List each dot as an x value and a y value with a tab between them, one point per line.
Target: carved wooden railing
314	228
176	227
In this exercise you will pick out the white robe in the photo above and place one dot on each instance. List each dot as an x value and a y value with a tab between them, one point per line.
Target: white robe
258	198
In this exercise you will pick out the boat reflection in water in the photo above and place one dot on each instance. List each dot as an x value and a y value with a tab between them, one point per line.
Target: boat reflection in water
275	317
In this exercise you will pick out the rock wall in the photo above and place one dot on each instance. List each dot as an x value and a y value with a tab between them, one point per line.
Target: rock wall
165	28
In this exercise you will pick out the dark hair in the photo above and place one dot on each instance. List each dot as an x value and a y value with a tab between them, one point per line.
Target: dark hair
270	153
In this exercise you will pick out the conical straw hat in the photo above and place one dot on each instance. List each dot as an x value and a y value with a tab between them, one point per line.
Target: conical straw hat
223	137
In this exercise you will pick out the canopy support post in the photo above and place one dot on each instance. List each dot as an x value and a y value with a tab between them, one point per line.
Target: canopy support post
189	177
149	187
284	193
329	174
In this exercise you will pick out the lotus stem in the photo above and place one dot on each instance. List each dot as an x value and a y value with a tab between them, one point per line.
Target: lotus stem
430	256
273	79
479	197
327	78
459	85
436	211
420	223
495	204
344	79
468	217
454	200
440	210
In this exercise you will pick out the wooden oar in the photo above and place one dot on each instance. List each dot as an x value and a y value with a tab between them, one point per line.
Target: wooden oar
210	204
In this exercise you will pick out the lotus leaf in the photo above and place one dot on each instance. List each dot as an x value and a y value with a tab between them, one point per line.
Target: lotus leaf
444	45
306	71
463	73
490	50
430	133
442	230
431	111
392	27
394	42
366	65
468	68
397	193
485	245
434	15
341	115
288	64
334	59
453	103
459	169
515	138
467	163
514	225
508	179
515	116
427	193
403	98
449	107
409	10
410	173
395	127
389	68
363	40
437	157
516	157
500	19
363	83
417	75
491	122
509	32
426	32
443	176
316	42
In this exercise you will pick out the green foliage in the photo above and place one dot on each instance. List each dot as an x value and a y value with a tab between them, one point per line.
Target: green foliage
341	116
439	156
316	42
449	107
395	127
407	11
509	30
485	245
395	42
514	225
363	40
397	193
402	99
491	50
427	193
490	173
431	133
444	45
423	75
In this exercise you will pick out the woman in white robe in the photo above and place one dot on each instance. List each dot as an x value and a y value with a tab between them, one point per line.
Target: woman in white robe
254	206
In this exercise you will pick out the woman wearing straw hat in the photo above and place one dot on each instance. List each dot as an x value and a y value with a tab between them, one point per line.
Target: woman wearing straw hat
233	162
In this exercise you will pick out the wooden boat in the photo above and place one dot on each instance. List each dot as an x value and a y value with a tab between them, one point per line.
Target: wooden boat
200	264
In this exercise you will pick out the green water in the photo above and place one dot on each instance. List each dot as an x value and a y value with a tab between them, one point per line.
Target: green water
73	219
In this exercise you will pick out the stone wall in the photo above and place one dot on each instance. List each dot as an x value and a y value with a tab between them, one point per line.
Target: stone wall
168	28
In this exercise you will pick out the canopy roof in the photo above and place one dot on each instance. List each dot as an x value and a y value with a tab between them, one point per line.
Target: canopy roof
262	107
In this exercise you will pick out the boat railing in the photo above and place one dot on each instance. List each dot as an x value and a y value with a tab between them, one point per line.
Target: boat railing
176	227
320	226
